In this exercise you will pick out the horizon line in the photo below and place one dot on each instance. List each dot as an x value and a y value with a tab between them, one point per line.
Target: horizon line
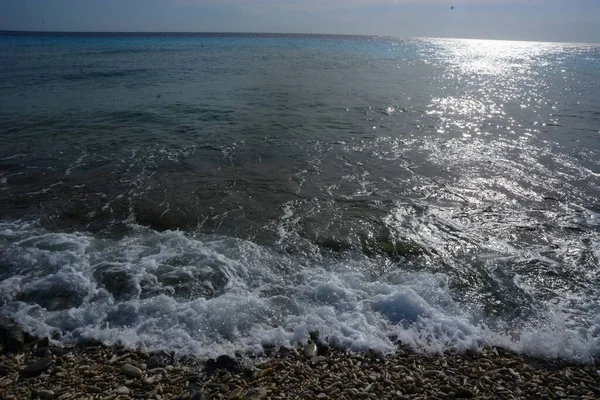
4	31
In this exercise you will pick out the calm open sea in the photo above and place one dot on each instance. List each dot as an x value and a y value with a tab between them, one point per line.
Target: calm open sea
209	193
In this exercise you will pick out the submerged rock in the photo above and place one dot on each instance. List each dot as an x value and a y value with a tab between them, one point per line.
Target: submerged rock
401	248
333	244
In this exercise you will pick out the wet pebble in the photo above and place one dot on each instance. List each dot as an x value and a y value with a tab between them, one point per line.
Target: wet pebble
123	391
130	370
310	350
87	373
4	382
37	367
317	360
45	394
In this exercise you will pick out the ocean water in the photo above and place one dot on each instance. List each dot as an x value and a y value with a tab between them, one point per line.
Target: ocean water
214	193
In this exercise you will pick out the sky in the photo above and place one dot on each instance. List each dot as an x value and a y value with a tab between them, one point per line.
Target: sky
540	20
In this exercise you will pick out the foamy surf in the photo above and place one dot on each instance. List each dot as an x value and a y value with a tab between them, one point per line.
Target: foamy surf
206	294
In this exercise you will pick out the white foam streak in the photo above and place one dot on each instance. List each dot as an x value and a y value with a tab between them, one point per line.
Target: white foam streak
210	295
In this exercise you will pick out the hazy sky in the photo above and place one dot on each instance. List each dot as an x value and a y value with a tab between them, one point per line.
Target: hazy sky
552	20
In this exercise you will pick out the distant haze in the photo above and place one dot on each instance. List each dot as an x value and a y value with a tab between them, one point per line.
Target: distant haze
544	20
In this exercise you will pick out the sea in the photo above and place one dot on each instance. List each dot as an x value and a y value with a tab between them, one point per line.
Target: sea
217	193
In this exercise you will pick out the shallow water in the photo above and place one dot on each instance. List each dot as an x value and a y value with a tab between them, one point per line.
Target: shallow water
209	193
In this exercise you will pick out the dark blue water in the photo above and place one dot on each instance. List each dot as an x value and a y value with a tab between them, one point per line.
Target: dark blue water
215	192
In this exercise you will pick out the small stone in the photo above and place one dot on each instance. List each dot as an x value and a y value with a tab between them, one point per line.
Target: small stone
255	394
123	391
198	395
194	377
322	348
93	389
157	371
130	370
36	368
321	396
52	351
464	393
236	394
4	382
225	362
45	394
310	350
264	373
152	380
317	360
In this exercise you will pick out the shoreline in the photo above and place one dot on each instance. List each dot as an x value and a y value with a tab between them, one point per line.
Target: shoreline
96	371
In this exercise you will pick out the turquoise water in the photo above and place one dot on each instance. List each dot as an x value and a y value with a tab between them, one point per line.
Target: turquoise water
215	192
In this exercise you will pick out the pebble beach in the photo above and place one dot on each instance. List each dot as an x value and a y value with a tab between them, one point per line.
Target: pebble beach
95	371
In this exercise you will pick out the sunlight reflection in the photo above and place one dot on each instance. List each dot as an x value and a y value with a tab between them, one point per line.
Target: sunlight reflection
486	80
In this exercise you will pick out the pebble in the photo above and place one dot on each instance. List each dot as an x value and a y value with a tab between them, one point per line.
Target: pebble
45	394
123	390
235	394
317	360
264	372
36	368
337	374
130	370
464	393
255	394
93	389
310	350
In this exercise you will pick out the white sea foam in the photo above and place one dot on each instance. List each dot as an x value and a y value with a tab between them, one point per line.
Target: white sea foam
208	294
592	218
